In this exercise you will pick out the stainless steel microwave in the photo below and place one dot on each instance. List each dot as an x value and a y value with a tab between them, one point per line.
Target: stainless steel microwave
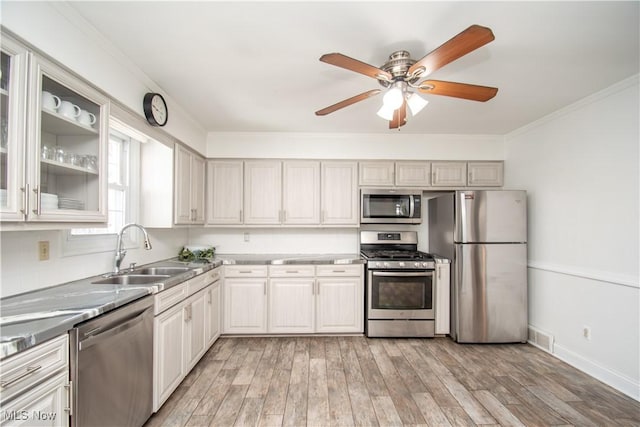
390	206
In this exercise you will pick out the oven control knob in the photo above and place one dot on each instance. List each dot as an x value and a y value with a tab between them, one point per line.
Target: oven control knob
385	264
417	264
401	264
424	264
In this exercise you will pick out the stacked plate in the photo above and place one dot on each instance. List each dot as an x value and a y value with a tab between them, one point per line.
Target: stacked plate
67	203
49	201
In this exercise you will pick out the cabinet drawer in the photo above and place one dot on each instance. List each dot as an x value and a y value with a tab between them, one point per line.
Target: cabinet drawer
292	271
339	270
25	369
214	275
197	283
245	271
169	298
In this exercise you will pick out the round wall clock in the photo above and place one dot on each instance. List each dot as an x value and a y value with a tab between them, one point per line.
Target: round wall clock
155	109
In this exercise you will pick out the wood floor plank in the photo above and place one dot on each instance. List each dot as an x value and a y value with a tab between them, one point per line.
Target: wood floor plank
431	412
230	406
476	411
318	398
497	409
385	411
354	380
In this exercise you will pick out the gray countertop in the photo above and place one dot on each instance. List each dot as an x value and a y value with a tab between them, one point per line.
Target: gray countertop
34	317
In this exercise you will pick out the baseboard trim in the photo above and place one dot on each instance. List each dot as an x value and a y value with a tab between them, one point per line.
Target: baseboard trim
614	379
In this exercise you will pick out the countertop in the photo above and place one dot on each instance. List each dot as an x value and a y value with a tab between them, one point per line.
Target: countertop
34	317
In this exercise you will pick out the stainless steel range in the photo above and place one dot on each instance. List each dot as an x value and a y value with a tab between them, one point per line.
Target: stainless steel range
400	285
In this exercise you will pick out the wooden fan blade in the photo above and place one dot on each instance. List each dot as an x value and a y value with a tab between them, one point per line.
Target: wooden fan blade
340	60
458	90
467	41
399	117
347	102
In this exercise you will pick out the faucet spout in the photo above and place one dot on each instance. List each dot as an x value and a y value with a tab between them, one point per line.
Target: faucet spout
120	253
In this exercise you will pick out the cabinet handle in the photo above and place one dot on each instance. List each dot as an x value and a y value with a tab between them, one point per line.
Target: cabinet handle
470	176
69	407
284	216
292	271
338	271
433	177
25	199
187	313
244	271
30	370
322	215
38	209
241	219
317	284
264	287
210	299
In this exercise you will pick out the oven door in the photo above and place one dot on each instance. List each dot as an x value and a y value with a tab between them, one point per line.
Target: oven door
400	294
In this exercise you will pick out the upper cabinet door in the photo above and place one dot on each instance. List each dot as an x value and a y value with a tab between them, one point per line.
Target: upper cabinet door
13	93
183	212
413	174
197	189
449	174
339	193
224	192
377	173
301	192
68	132
263	192
485	174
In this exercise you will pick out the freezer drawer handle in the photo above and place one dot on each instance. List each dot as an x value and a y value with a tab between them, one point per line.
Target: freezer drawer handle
95	339
30	370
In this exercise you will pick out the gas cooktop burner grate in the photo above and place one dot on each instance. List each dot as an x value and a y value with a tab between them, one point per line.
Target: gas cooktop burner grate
395	255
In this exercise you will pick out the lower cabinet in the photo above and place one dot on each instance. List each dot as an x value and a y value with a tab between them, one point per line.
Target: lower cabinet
35	386
184	332
293	299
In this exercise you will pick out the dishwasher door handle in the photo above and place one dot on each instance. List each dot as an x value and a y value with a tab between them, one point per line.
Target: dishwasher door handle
97	338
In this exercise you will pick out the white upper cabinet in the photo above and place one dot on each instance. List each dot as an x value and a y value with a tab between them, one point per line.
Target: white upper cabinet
224	192
376	173
449	174
390	173
188	187
263	192
339	193
485	174
413	174
63	176
301	192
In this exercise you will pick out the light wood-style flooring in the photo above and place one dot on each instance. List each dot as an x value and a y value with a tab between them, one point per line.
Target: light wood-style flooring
326	381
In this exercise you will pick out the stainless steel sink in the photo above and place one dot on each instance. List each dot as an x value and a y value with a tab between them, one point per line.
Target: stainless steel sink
169	271
133	279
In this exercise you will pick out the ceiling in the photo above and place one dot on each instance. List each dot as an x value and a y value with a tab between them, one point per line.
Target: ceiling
253	66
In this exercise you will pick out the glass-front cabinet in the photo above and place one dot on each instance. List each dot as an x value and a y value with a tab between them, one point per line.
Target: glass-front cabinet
13	66
66	123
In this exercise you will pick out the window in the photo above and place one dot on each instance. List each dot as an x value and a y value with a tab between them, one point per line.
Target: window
123	172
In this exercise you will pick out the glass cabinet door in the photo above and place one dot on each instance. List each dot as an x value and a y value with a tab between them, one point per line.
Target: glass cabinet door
13	69
67	147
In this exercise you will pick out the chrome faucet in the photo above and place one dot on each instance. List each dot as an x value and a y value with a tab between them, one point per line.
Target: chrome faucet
120	253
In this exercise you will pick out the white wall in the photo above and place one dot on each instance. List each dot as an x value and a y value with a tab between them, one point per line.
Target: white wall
20	270
580	169
396	145
57	29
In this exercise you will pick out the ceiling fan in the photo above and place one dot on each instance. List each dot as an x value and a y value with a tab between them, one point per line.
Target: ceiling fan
400	76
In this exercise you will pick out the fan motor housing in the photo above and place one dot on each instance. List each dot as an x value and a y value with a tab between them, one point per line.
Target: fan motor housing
398	65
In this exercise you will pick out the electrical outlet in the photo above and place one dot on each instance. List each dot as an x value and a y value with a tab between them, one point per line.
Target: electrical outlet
246	237
43	250
586	333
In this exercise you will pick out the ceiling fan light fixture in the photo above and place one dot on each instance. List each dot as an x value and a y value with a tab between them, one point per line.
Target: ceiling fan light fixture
385	113
394	96
416	103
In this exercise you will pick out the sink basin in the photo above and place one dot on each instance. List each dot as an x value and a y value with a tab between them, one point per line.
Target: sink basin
133	279
169	271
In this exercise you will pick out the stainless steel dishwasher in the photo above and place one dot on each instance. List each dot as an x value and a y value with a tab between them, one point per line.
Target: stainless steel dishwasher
112	367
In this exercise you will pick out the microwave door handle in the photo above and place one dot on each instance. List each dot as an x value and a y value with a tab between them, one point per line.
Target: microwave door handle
412	206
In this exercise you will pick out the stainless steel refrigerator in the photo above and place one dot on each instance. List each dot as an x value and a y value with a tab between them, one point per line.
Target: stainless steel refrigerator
484	234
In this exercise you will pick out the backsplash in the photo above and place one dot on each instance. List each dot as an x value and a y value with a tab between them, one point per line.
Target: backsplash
21	271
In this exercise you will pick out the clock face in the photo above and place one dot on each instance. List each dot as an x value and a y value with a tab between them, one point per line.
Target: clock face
155	109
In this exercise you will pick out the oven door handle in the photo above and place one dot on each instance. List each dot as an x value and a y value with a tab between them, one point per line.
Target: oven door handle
101	336
402	274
